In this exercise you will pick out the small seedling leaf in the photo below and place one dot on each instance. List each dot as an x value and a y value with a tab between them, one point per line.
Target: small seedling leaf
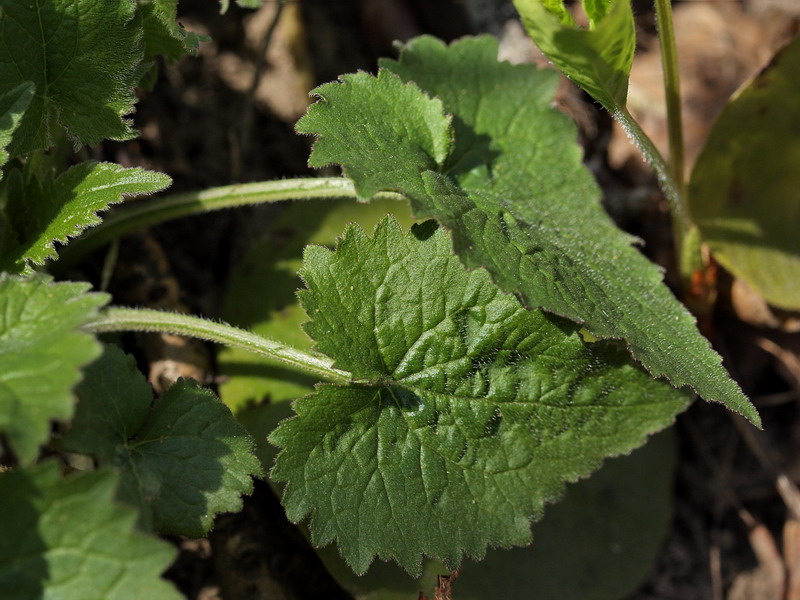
514	193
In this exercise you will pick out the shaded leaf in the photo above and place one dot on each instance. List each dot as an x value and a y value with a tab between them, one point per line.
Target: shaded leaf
745	187
68	539
48	210
514	193
183	461
83	56
41	351
12	105
470	412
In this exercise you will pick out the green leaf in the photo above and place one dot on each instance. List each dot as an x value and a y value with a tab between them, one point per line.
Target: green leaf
598	543
515	195
50	210
470	414
598	59
162	33
261	295
261	298
83	56
12	105
745	188
41	351
225	4
182	461
67	539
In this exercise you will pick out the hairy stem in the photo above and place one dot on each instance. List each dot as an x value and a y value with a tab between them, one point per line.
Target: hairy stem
142	213
140	319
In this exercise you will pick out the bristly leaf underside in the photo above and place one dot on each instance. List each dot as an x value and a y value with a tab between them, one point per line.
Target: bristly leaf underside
491	161
468	412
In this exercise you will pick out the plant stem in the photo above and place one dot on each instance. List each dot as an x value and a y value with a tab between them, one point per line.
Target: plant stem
672	89
140	319
674	190
140	214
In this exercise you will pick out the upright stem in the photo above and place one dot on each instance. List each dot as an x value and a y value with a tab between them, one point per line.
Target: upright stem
672	88
140	319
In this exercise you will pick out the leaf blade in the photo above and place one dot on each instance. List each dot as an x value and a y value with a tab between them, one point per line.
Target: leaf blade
469	409
597	59
40	354
743	190
68	539
518	201
181	462
48	210
84	59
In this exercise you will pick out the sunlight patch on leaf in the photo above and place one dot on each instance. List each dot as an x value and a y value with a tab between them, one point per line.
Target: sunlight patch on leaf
12	105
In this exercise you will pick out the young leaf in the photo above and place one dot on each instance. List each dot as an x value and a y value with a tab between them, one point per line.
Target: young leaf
49	210
40	354
83	56
743	194
599	58
515	195
12	104
66	538
470	412
162	33
182	461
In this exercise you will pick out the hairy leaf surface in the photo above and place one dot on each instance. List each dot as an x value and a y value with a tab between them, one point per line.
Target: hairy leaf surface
183	461
41	352
48	210
744	194
162	33
598	58
83	56
508	181
68	539
470	411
